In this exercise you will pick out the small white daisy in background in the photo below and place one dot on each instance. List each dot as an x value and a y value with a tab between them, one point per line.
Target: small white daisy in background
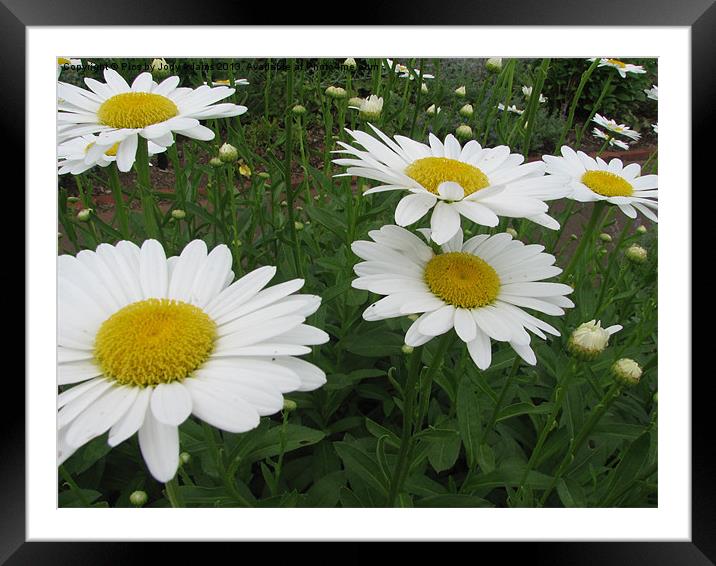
655	127
227	82
432	110
150	340
613	142
72	154
589	339
527	91
478	287
478	183
595	179
652	92
404	72
120	113
512	108
612	126
370	108
621	67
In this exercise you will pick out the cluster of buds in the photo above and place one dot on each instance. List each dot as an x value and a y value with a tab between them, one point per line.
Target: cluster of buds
336	92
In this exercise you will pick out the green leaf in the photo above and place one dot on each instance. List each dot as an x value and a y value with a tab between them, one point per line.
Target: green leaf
326	492
78	498
453	500
362	465
296	436
628	468
517	409
444	448
374	343
468	418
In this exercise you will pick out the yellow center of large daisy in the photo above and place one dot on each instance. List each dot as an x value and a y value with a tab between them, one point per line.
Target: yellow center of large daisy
154	341
617	62
136	110
607	184
431	171
112	151
462	280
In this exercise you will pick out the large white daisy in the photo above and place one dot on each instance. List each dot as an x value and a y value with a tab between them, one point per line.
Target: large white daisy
478	287
595	179
120	113
478	183
151	340
621	67
72	154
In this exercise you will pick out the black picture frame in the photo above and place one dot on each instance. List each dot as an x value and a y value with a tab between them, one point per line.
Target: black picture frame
699	15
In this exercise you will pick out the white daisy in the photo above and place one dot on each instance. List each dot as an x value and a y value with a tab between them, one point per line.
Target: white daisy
151	340
478	183
613	142
652	92
595	179
72	154
478	287
512	108
612	126
227	82
404	72
621	67
370	108
527	91
120	113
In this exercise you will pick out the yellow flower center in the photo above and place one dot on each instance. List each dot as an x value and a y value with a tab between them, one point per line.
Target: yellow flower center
136	110
431	171
222	81
607	184
154	341
462	280
617	62
63	61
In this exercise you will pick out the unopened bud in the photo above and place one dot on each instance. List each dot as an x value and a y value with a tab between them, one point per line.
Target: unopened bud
467	111
138	498
626	371
407	349
178	214
228	153
604	237
185	458
336	92
289	405
512	232
494	64
636	254
299	110
84	214
464	132
216	162
461	91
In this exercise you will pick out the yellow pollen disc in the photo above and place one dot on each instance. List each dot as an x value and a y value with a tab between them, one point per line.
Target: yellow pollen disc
462	280
222	81
617	62
63	61
154	341
431	171
136	110
607	184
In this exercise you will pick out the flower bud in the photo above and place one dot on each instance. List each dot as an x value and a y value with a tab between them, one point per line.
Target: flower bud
216	162
573	237
636	254
640	229
289	405
160	68
371	107
184	458
461	91
355	102
84	214
350	63
336	92
178	214
228	153
424	88
464	132
467	111
138	498
73	200
604	237
298	225
432	110
590	339
299	110
512	232
264	175
494	64
407	349
626	371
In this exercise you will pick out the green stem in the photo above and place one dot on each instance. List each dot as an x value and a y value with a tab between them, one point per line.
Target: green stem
605	88
288	154
73	486
171	488
534	104
605	281
582	83
587	237
597	413
501	399
120	205
141	165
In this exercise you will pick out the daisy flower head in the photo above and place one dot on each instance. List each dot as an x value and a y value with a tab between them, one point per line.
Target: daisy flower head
595	180
613	142
227	82
72	154
370	108
120	113
479	287
146	340
612	126
404	72
527	92
621	67
478	183
512	108
652	92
